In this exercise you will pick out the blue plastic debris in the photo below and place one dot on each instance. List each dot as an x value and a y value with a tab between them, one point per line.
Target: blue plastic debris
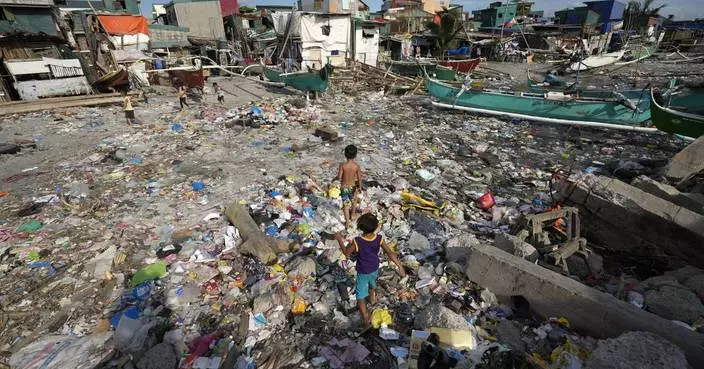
176	127
197	185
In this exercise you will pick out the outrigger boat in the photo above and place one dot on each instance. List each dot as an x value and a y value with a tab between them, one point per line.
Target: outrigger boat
271	73
420	67
630	94
551	107
316	81
597	61
668	119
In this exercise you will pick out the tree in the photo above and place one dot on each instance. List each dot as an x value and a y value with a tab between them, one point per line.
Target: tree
449	25
636	14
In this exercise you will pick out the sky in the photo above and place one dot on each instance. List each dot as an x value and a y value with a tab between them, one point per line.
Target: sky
681	9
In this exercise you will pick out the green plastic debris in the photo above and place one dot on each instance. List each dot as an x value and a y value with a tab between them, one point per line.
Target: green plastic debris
149	272
30	226
33	256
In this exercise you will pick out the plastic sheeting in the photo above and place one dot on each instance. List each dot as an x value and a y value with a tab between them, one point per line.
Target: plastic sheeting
459	51
17	68
281	19
320	46
137	41
55	352
124	24
35	89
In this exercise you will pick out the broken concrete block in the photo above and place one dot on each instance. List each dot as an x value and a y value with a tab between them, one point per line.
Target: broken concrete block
301	266
696	284
684	273
255	242
676	303
457	248
641	350
666	192
515	246
327	134
418	242
660	281
626	219
552	294
687	162
439	316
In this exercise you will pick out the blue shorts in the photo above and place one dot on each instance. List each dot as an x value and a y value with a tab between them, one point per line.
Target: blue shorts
347	195
364	283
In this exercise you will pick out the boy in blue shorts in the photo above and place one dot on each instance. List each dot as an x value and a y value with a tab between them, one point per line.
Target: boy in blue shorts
350	176
366	247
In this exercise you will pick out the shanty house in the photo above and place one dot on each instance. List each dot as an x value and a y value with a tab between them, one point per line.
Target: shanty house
35	60
366	41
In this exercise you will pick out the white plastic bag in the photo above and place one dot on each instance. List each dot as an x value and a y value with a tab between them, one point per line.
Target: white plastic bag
58	352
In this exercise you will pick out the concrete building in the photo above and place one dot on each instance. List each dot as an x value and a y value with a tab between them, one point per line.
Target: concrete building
608	10
499	13
34	54
430	6
30	16
203	18
577	16
330	6
406	20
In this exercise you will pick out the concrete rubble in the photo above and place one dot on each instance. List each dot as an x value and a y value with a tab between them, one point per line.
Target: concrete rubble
203	238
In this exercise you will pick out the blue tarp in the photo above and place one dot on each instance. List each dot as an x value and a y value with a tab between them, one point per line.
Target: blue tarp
459	51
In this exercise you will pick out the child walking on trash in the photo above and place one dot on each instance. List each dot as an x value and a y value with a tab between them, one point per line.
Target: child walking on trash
366	249
350	176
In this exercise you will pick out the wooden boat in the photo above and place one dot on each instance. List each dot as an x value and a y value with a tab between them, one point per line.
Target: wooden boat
461	65
550	107
421	67
597	61
112	81
630	94
636	55
445	73
670	120
305	81
272	74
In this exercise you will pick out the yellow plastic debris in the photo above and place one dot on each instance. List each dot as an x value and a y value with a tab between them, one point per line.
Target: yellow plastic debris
381	316
334	192
299	306
277	268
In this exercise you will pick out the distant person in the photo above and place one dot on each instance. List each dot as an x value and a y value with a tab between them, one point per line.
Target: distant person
219	92
366	248
182	95
128	108
350	176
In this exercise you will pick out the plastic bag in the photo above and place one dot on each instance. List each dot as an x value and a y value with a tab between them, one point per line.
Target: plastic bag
57	352
299	306
486	201
149	272
381	316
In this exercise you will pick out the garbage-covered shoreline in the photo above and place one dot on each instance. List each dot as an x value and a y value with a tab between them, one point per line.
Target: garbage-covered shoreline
132	247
